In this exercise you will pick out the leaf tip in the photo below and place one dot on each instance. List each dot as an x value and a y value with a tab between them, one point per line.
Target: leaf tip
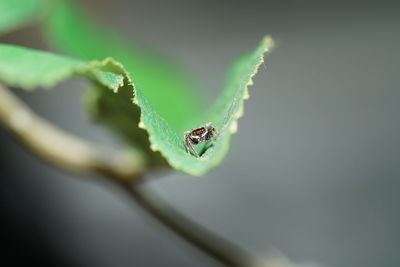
268	42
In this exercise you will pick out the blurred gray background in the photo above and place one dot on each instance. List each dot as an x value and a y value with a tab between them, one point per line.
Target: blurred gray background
313	171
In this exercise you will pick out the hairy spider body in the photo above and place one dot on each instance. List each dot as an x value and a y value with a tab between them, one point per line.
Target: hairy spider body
198	135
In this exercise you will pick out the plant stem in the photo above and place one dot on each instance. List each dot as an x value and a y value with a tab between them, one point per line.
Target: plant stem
208	242
71	153
62	149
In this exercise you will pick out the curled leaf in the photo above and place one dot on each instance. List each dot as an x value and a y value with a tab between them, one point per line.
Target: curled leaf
26	68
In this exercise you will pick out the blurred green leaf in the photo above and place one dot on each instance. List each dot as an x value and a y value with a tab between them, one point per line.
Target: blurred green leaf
28	69
17	13
163	83
167	100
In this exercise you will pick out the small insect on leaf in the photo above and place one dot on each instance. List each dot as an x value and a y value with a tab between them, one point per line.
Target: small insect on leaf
195	136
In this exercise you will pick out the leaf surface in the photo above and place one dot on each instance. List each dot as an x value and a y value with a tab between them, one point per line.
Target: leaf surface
16	13
165	85
163	92
29	69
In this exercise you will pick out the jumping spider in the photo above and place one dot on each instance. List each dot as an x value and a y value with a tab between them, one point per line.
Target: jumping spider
199	135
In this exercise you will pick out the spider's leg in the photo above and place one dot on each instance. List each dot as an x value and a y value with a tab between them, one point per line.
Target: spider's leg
186	144
212	138
215	131
186	141
194	150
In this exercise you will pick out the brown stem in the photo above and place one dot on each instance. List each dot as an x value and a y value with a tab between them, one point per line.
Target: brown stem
62	149
210	243
71	153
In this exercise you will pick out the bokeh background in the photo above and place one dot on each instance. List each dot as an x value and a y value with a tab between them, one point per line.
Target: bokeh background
313	171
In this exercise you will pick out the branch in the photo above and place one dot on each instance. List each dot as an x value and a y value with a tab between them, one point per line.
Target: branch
71	153
62	149
206	241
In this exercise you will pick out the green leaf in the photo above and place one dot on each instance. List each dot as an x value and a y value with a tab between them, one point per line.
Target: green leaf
163	93
70	31
17	13
224	115
29	69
